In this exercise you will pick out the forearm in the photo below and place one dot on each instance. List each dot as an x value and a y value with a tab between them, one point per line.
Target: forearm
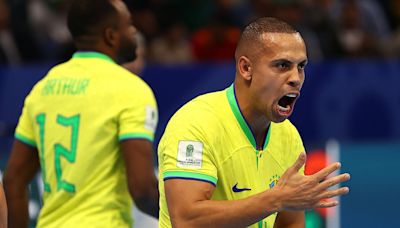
237	213
21	168
142	183
149	204
17	201
147	200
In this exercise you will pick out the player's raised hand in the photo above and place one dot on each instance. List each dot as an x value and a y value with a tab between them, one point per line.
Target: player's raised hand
301	192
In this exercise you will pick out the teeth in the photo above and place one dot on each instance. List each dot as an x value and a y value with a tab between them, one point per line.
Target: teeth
292	95
283	109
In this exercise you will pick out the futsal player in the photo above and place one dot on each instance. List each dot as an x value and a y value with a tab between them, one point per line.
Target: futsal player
89	126
232	158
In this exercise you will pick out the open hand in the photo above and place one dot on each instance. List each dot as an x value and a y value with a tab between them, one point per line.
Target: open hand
301	192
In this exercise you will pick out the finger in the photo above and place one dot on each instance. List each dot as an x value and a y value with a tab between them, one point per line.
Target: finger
334	193
301	160
333	181
323	173
326	204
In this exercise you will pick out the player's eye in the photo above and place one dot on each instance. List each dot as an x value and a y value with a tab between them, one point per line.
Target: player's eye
302	65
283	65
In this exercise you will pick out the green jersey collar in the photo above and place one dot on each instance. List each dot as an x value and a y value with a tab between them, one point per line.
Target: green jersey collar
92	54
230	93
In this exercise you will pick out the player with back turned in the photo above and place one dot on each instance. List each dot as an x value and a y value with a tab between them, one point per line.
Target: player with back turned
89	126
231	158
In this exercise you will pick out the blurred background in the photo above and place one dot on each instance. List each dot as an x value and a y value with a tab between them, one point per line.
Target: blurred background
350	104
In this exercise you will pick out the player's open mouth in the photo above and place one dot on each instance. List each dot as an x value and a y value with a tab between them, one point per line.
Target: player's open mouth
286	103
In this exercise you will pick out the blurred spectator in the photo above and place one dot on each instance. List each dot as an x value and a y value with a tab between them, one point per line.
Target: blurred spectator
292	12
48	20
393	46
34	30
19	25
194	13
172	47
392	10
217	41
372	16
356	39
9	53
151	15
319	19
239	11
146	21
260	8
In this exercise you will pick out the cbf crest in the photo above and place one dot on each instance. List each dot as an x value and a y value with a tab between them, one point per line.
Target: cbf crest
273	181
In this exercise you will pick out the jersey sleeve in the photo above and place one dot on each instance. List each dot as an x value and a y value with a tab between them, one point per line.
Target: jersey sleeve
186	150
139	116
25	130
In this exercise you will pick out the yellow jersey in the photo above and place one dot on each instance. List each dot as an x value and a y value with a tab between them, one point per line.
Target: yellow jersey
76	116
209	140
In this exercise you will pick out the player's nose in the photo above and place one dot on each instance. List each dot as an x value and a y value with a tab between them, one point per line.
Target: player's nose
296	78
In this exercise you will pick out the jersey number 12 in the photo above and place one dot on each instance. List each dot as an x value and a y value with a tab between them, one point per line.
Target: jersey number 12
59	150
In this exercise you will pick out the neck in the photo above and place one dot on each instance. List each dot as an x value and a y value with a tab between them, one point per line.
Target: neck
97	47
256	120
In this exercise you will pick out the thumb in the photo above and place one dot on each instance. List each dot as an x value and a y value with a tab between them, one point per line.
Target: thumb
301	160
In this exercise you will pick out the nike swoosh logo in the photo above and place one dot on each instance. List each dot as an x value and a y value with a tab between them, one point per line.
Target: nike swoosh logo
236	189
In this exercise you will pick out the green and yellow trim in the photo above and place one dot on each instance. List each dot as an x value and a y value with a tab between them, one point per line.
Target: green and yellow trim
230	93
266	141
92	54
190	176
136	136
25	140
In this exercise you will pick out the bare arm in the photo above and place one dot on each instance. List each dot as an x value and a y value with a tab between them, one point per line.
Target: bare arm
189	203
142	183
3	208
21	168
290	219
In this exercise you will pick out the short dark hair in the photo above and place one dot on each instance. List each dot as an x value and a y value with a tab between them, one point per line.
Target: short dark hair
253	31
90	17
267	25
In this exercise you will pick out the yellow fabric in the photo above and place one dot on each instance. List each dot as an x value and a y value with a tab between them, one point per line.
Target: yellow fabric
218	151
76	116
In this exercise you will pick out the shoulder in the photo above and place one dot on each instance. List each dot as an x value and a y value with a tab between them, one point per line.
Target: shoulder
203	110
199	118
37	88
128	80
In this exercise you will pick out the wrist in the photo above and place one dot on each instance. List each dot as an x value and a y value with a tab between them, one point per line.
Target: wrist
274	199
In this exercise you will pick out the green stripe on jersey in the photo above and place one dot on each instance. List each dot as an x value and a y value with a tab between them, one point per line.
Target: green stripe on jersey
136	136
266	141
178	174
25	140
92	54
236	111
230	93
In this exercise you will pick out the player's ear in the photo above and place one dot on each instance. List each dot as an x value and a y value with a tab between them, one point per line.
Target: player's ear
110	36
245	68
